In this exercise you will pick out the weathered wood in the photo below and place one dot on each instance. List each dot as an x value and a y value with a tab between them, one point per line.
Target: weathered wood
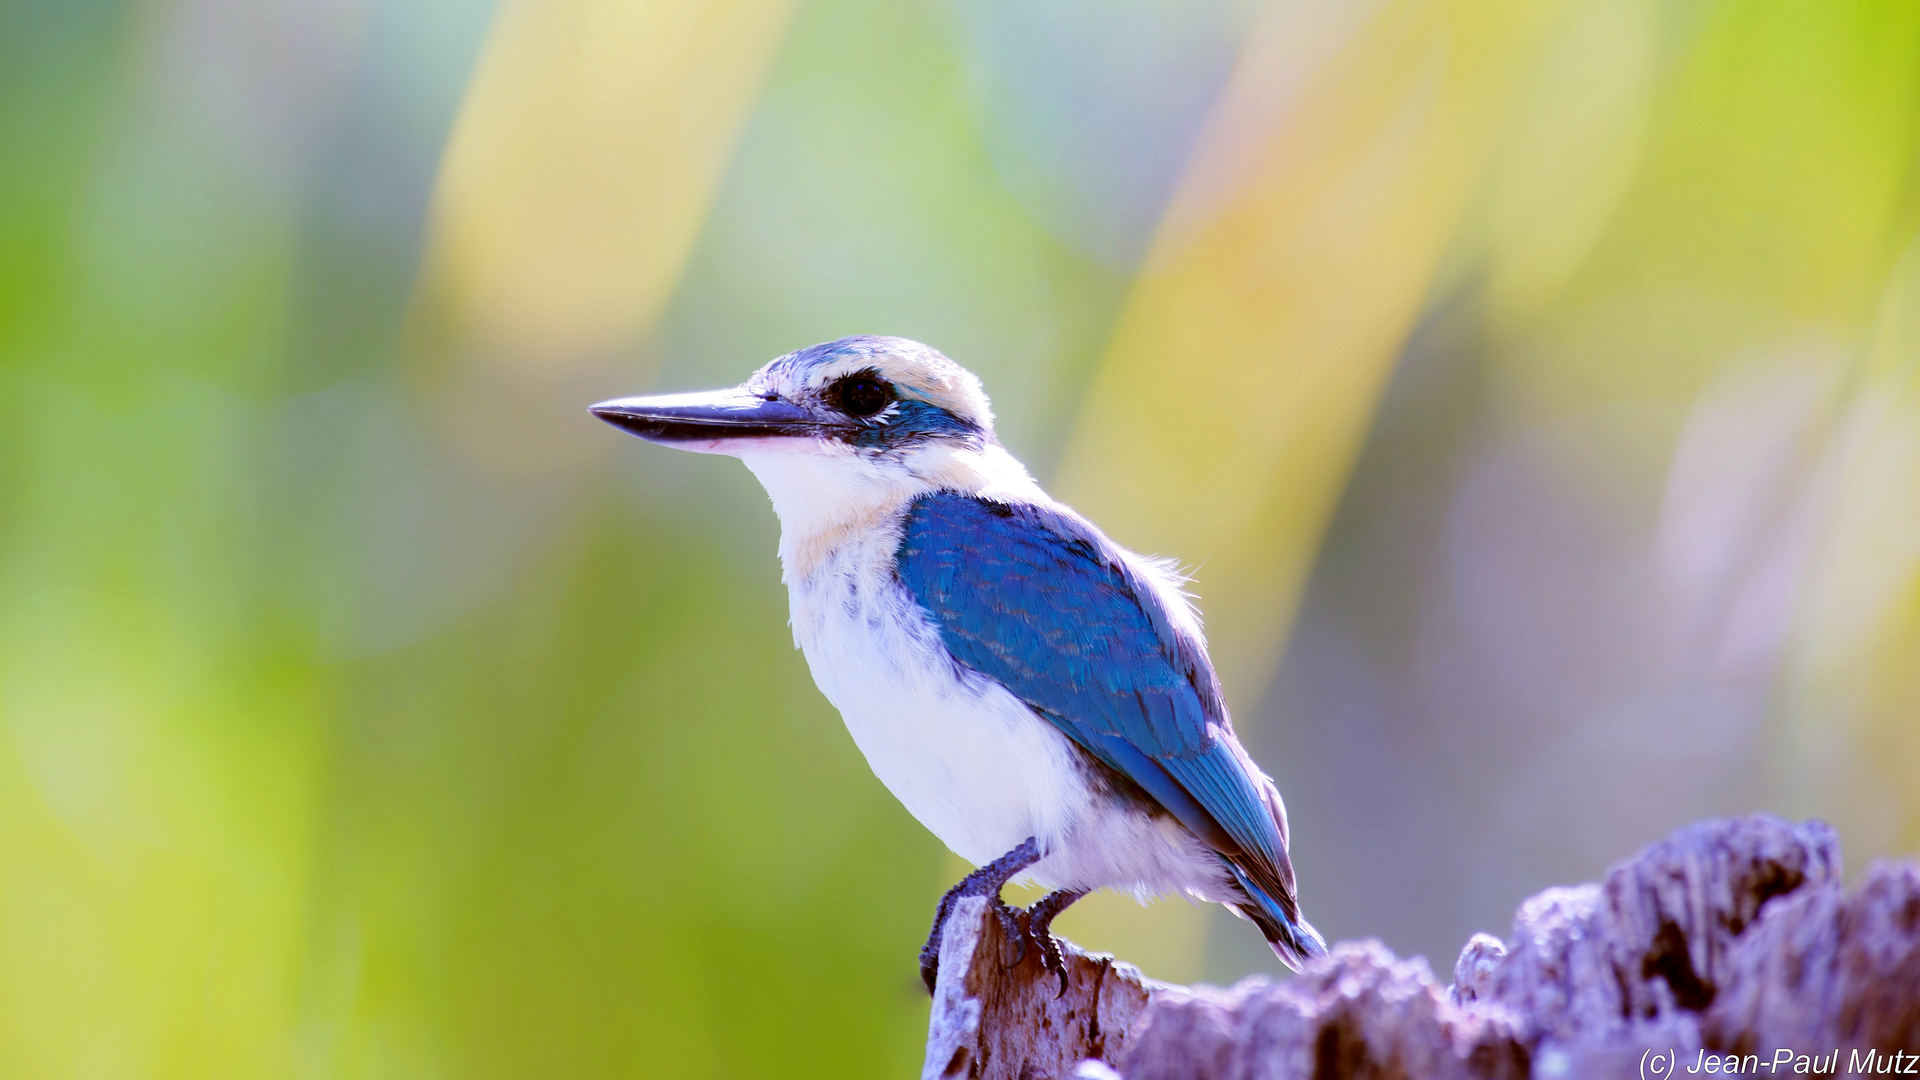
1729	937
991	1021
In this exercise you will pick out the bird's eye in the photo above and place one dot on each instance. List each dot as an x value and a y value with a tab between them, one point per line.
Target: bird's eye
861	396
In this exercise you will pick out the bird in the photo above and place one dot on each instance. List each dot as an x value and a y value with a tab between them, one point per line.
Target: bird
1037	696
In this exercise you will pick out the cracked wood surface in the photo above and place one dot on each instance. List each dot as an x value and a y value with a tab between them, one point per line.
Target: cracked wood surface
1728	937
990	1020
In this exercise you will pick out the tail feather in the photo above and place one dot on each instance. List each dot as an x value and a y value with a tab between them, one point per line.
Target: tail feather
1293	938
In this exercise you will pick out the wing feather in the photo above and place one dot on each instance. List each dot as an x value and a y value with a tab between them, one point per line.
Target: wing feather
1038	599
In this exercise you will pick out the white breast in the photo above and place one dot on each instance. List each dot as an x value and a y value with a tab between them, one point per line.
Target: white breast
964	756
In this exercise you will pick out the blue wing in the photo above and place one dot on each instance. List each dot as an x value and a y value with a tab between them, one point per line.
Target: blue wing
1041	601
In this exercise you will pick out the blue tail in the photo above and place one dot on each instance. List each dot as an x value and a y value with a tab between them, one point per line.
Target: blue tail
1293	938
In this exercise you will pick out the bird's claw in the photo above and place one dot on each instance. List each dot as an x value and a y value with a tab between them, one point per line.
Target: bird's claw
1013	927
1051	959
930	952
930	960
1023	928
1040	925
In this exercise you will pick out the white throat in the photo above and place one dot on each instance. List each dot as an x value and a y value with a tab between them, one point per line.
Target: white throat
827	494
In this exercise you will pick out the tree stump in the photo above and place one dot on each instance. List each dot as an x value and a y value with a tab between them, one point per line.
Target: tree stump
1729	947
993	1020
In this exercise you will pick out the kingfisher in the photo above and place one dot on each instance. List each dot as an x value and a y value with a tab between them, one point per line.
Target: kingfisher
1037	696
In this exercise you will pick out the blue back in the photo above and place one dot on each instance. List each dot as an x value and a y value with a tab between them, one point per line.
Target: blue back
1041	601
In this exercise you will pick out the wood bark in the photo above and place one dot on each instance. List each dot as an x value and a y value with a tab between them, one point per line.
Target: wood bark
1733	937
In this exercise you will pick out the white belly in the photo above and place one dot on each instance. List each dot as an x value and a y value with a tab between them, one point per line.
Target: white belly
965	757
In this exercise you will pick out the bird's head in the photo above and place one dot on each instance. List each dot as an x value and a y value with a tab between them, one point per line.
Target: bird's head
838	430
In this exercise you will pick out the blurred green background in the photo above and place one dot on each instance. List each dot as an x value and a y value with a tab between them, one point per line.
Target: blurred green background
1532	387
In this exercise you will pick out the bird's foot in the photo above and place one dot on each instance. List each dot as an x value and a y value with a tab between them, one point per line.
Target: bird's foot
986	881
1012	927
1039	924
930	952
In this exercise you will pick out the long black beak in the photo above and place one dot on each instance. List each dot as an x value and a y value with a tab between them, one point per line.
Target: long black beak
712	417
